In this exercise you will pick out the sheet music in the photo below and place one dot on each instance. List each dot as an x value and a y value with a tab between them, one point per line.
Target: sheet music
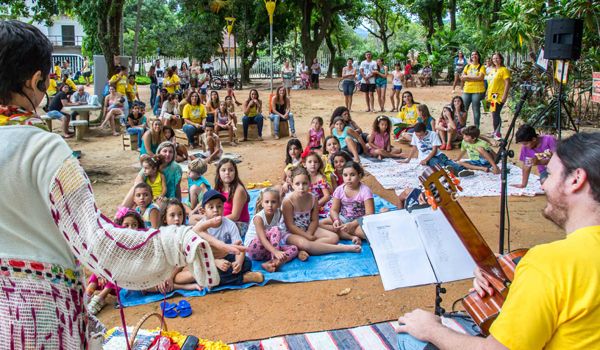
448	256
416	248
399	252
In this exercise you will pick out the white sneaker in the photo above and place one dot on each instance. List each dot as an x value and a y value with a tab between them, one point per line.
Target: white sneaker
95	305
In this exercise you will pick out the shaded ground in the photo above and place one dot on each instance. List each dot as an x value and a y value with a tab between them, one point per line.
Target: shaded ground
278	309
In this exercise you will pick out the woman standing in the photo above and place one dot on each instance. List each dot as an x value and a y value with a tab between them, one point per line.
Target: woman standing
381	83
153	84
459	64
349	84
474	89
252	114
315	72
280	104
287	74
497	92
46	241
184	76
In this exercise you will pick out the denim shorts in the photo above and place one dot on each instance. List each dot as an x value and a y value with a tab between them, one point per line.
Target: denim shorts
348	86
480	162
397	87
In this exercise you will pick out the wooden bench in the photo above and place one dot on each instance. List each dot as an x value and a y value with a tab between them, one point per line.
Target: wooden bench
252	131
48	121
129	141
284	128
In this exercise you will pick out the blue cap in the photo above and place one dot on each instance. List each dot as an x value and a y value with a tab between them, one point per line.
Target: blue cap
210	195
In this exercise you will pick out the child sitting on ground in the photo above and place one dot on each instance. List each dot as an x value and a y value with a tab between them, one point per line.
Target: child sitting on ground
338	159
211	145
446	128
153	177
481	155
233	269
197	183
351	202
142	197
125	217
426	143
293	152
172	212
332	146
318	184
349	140
535	150
316	135
301	217
266	238
379	139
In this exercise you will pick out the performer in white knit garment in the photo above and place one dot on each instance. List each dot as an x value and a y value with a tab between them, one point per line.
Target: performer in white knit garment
50	226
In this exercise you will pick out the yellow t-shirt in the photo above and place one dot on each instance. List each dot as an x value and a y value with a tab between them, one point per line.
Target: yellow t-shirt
131	89
196	114
58	72
174	79
408	115
71	84
474	87
52	88
497	83
121	83
156	186
554	301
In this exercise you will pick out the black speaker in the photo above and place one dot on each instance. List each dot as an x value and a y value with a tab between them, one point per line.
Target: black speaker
563	39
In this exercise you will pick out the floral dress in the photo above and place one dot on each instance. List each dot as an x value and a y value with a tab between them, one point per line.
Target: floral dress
316	188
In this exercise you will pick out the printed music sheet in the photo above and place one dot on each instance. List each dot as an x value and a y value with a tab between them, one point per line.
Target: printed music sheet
416	248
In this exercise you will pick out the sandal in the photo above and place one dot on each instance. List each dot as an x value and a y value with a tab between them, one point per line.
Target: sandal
68	136
184	308
169	310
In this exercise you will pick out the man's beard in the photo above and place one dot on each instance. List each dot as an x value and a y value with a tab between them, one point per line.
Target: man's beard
555	210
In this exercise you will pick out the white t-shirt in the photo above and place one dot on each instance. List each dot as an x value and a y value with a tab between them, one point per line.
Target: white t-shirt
251	233
368	68
397	77
228	231
425	145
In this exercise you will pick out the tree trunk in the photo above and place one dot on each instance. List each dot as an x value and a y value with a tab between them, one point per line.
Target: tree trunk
109	27
137	35
310	45
248	63
496	10
430	31
332	51
452	13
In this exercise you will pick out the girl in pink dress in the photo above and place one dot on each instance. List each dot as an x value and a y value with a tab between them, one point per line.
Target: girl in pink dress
379	140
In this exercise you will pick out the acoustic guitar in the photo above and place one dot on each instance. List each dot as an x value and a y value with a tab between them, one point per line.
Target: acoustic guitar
441	191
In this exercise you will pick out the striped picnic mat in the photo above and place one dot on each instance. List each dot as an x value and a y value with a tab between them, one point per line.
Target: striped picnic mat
370	337
379	336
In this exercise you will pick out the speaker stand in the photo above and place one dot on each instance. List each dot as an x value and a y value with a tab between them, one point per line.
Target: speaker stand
558	103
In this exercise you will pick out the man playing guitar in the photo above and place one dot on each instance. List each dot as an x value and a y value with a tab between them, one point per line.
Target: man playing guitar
554	299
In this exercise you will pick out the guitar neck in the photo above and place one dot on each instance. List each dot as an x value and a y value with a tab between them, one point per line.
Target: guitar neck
473	241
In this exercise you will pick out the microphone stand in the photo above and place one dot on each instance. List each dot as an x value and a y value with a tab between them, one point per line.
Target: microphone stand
503	154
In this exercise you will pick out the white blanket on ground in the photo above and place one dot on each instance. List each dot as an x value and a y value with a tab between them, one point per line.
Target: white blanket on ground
399	176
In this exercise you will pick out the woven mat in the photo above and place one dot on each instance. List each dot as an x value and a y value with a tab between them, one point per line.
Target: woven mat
399	176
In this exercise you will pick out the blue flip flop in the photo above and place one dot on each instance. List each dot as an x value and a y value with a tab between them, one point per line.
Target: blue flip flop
184	308
168	309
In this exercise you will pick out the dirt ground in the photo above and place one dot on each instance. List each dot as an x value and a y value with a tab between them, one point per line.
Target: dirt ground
277	308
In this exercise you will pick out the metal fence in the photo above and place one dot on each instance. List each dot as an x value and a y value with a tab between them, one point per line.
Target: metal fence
260	70
76	61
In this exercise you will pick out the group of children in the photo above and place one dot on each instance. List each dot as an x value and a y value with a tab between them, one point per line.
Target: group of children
321	201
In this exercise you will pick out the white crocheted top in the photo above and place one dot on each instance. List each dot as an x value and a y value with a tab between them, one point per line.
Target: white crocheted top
48	214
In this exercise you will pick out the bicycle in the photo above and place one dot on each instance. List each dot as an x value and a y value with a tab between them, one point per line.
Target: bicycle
356	85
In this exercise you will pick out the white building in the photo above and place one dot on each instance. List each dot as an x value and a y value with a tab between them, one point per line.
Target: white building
66	33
